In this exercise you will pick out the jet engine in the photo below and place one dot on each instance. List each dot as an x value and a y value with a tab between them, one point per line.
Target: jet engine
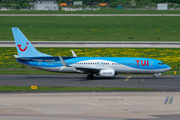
107	73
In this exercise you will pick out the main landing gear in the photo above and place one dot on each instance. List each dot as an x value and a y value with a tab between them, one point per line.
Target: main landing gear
154	77
90	76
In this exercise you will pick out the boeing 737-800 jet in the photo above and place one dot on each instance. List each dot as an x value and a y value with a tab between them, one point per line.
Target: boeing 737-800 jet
101	66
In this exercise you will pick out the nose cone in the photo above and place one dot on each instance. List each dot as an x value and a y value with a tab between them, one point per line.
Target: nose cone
167	67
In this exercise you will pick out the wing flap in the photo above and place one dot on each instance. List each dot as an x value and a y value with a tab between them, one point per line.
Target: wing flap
88	69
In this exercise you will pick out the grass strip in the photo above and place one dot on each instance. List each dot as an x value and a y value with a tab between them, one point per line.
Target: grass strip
92	28
170	56
171	73
28	88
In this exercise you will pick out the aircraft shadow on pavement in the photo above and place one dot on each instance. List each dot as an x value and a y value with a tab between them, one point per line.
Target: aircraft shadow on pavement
83	77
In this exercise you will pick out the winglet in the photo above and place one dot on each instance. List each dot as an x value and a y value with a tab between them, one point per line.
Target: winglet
62	61
73	53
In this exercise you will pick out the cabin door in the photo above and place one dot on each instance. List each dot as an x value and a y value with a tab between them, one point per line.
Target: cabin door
151	64
40	63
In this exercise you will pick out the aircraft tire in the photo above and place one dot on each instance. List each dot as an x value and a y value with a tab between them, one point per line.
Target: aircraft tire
90	76
154	77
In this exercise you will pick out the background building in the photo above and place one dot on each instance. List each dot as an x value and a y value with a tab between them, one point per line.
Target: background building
46	5
162	6
77	3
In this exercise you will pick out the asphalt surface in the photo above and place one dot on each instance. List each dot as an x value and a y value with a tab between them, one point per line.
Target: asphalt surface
89	14
163	104
90	106
161	83
96	44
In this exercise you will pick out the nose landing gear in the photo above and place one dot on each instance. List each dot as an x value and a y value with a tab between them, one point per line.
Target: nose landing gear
154	76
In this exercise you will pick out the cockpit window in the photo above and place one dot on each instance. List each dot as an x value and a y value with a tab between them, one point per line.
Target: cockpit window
161	63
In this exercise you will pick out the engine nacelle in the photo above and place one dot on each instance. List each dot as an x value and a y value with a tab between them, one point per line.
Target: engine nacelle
107	73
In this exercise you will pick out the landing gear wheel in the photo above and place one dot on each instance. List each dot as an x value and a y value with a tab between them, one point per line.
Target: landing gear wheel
90	76
154	77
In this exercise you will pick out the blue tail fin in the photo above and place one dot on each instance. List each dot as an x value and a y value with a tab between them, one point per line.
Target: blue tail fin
24	47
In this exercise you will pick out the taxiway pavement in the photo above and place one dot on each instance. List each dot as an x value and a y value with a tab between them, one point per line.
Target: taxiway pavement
95	44
161	83
90	106
160	105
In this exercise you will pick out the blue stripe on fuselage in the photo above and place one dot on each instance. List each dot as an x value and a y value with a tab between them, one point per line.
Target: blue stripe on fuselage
35	61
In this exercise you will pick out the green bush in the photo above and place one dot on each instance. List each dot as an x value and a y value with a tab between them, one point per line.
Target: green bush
114	4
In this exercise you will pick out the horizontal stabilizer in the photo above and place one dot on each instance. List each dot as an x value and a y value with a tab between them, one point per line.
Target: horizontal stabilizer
16	56
23	59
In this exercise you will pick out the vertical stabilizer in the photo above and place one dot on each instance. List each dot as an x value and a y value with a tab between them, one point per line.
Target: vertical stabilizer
24	47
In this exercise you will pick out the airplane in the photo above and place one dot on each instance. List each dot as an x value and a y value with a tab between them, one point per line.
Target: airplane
107	67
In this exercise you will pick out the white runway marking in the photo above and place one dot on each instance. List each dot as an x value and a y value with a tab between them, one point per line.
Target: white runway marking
143	79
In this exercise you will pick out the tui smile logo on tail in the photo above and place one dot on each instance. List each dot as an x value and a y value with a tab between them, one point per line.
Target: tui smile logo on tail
21	48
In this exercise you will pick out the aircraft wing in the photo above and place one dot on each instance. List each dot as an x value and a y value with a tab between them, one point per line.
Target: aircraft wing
84	69
88	69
